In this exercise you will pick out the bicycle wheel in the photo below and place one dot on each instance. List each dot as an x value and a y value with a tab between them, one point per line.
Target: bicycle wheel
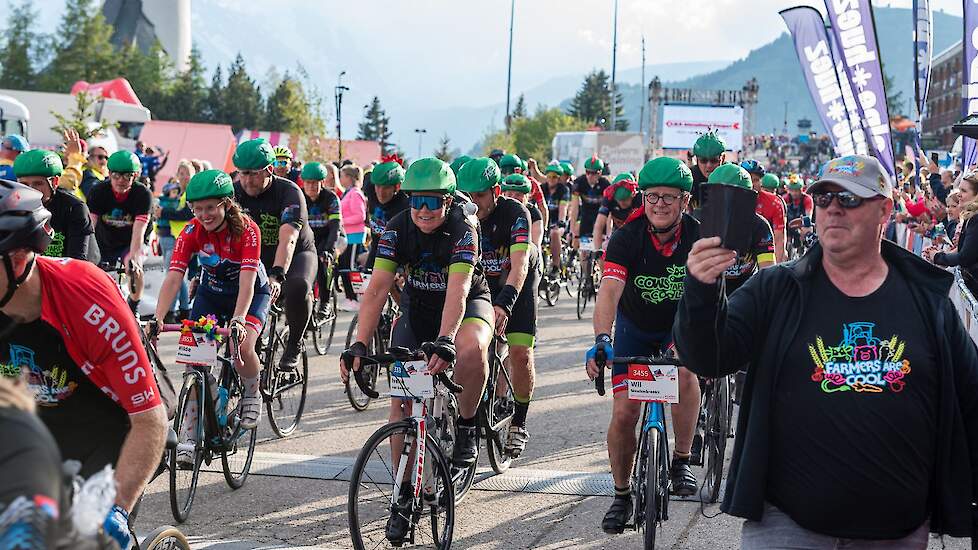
286	388
359	400
654	495
183	478
498	407
371	492
239	448
165	537
445	429
640	477
323	328
550	291
715	437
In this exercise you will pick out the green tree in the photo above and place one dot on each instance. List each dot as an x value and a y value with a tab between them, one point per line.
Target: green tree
520	110
533	136
592	103
78	119
288	110
376	126
150	74
242	101
214	110
894	99
20	48
187	96
444	151
82	48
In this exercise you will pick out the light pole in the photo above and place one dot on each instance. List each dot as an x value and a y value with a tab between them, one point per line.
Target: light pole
421	132
614	66
509	67
338	94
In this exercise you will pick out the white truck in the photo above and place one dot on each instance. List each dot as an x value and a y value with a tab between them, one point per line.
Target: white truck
126	120
622	151
14	116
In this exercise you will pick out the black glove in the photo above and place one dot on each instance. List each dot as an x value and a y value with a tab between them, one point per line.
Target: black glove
277	273
506	299
358	349
443	347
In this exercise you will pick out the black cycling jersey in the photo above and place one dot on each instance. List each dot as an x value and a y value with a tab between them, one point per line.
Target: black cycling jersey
535	215
380	213
591	198
324	219
553	198
72	227
505	230
117	214
280	203
614	210
762	250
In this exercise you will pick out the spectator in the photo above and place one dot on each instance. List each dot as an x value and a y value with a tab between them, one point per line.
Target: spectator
965	256
205	165
953	216
95	170
10	147
173	216
353	208
332	181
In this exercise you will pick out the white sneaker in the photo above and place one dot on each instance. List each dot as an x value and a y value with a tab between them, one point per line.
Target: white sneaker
250	412
348	305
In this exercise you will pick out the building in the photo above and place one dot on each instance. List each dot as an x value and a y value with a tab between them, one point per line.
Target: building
944	98
143	23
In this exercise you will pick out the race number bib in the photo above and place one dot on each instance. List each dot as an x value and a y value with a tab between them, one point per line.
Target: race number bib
653	383
587	244
359	281
196	349
412	380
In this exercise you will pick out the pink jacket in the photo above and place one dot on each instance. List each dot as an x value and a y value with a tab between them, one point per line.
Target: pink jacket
353	210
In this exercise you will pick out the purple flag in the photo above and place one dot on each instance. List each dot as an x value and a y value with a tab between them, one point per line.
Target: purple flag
923	24
852	107
815	56
970	78
854	30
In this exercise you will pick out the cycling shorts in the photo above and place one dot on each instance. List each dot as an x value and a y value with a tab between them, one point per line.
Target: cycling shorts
632	340
411	332
521	330
222	307
586	228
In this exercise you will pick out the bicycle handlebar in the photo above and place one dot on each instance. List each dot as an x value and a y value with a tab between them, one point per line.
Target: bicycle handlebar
394	354
602	362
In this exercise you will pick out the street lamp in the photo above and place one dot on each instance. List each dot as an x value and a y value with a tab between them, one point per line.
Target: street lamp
421	132
338	95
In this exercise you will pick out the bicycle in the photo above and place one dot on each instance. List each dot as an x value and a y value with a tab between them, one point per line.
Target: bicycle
322	326
498	406
589	280
283	390
378	343
713	428
424	485
216	421
650	473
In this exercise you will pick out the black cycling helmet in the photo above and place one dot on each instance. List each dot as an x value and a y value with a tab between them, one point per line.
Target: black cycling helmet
24	223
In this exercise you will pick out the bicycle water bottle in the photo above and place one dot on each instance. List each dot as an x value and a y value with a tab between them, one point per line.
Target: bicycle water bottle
222	406
92	502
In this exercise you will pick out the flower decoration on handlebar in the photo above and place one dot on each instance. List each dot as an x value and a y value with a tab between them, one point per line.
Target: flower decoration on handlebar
206	325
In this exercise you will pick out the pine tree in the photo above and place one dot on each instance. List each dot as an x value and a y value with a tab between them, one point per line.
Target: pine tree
592	103
20	48
241	98
150	74
376	126
520	110
78	119
444	151
187	97
214	108
287	109
82	48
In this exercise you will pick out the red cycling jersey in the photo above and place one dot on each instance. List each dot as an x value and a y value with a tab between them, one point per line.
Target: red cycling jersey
771	208
536	194
221	257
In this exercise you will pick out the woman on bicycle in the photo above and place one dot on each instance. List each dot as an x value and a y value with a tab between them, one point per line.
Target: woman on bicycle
233	286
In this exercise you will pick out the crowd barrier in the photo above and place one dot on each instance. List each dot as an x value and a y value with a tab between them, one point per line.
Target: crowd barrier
966	305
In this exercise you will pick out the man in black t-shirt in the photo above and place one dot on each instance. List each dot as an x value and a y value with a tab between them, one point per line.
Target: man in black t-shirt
618	203
288	249
641	286
557	196
710	152
387	201
861	401
586	196
121	213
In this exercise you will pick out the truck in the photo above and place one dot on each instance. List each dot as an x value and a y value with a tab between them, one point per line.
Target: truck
125	119
621	151
14	116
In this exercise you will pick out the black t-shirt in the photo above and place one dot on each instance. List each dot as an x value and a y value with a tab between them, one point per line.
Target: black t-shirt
72	227
506	230
324	218
591	198
554	197
853	439
428	258
762	250
535	215
618	215
653	281
116	215
280	203
379	214
88	426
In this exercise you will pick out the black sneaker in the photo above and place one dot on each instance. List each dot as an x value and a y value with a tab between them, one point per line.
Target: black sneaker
466	449
290	358
618	515
682	477
399	523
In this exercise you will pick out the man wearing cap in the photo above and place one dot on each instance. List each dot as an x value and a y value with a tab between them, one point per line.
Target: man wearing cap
288	248
860	409
798	206
10	147
710	152
640	289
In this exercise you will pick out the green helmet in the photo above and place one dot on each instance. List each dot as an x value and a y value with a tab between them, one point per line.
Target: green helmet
253	154
665	172
624	176
478	175
770	181
568	168
731	174
555	168
38	162
524	166
209	184
594	164
459	162
387	173
313	171
793	182
429	174
516	182
709	145
510	161
124	162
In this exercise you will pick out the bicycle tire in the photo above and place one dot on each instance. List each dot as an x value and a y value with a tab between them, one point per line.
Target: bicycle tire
236	477
280	382
361	476
359	400
551	292
446	431
497	415
715	438
653	488
640	477
165	537
180	506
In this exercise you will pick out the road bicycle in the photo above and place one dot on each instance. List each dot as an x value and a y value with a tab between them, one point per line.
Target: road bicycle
403	487
713	428
378	343
283	390
650	473
498	406
322	326
590	278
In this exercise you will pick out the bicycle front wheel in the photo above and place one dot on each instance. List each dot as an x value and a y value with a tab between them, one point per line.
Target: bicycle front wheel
323	327
359	400
185	466
655	492
430	518
715	437
286	388
165	537
239	445
498	408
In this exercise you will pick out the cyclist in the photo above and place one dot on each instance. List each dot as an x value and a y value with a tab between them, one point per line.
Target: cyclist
643	281
798	206
518	188
121	213
233	285
617	204
457	163
534	176
710	152
388	201
761	253
446	304
11	146
74	235
771	207
282	166
568	172
324	218
65	323
557	196
586	196
510	266
288	249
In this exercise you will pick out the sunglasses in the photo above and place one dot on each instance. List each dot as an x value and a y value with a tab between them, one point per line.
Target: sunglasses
846	199
591	172
427	201
281	163
654	198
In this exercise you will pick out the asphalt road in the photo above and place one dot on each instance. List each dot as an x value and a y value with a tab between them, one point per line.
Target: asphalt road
554	496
